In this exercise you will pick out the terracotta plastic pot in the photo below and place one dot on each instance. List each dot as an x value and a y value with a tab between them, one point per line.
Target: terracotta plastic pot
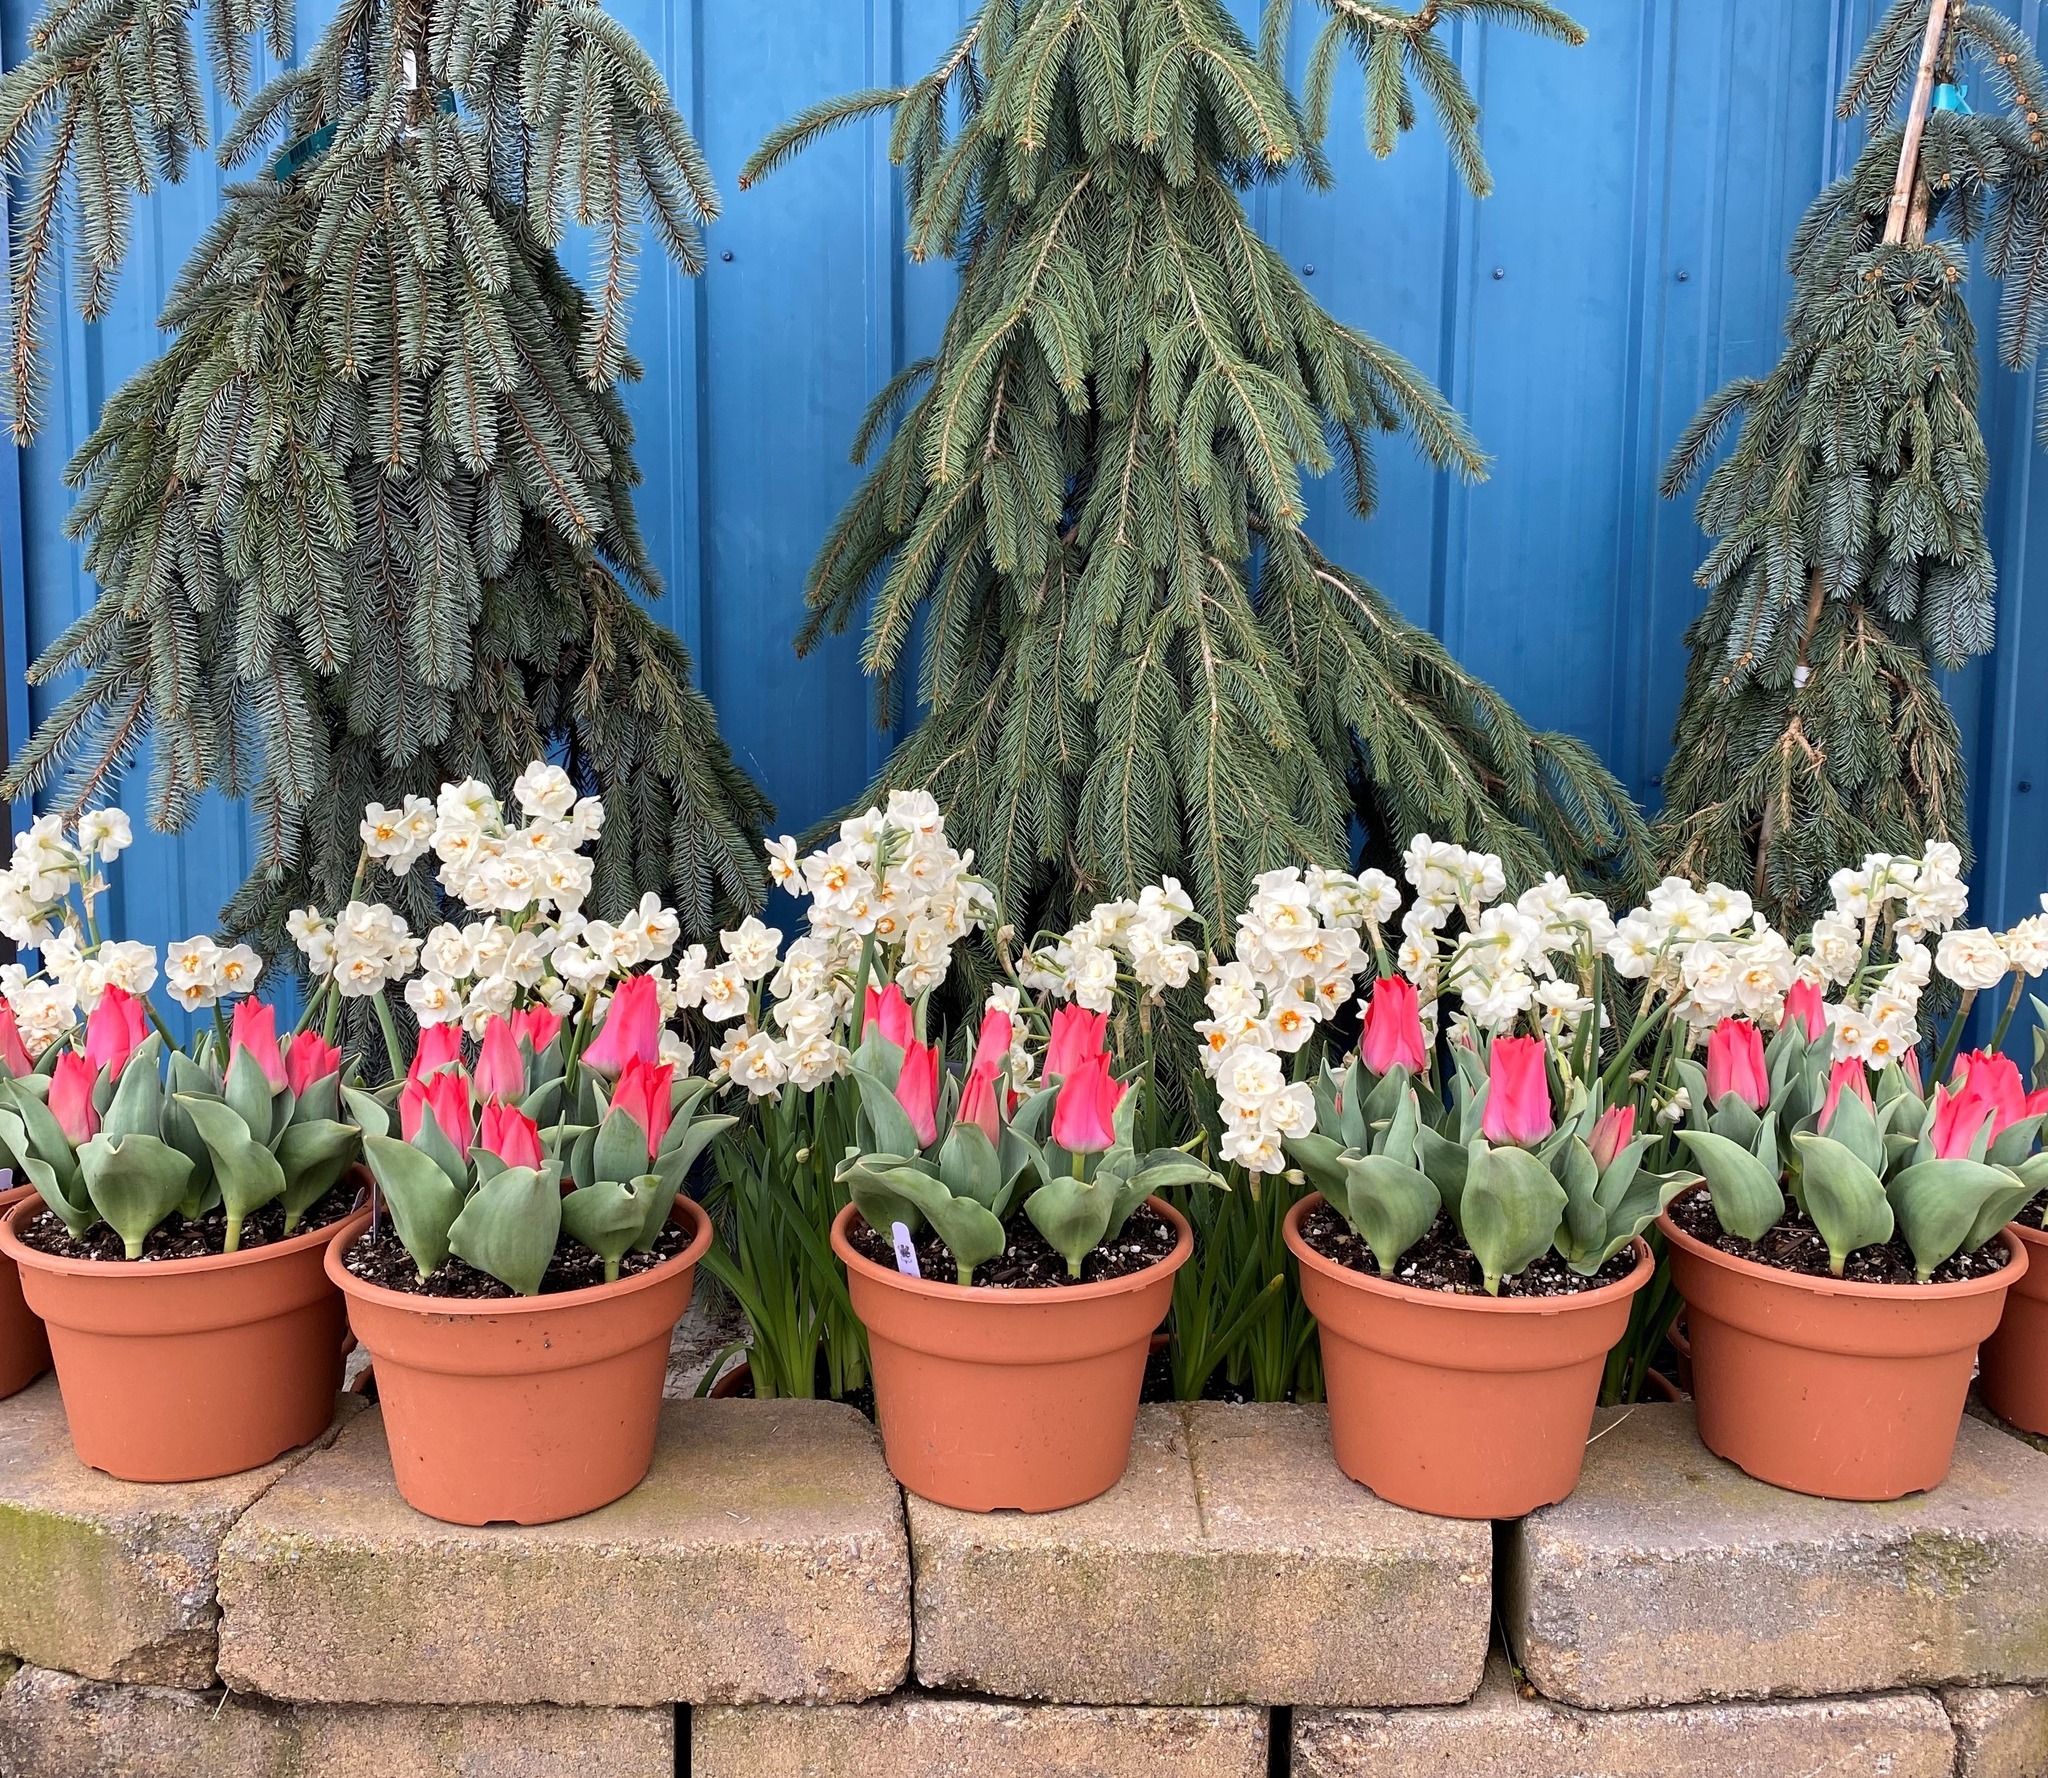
524	1409
178	1370
1009	1398
1848	1391
24	1346
1469	1407
2012	1370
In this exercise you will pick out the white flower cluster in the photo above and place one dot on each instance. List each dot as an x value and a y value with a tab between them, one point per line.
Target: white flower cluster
1298	958
1710	950
48	867
1084	965
532	944
890	881
200	973
47	896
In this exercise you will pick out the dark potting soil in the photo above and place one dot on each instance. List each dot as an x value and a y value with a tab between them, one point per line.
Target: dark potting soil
1793	1244
2035	1214
381	1259
1030	1261
175	1238
1440	1261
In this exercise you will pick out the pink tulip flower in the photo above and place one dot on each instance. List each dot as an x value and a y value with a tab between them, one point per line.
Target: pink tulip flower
1393	1037
642	1094
14	1056
536	1027
1613	1130
500	1068
978	1102
510	1134
308	1058
1849	1076
1735	1065
632	1027
1518	1093
255	1034
71	1098
439	1046
1805	1008
118	1024
887	1008
1077	1037
1084	1115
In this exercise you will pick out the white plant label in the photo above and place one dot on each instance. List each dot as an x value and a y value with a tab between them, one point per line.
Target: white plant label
906	1254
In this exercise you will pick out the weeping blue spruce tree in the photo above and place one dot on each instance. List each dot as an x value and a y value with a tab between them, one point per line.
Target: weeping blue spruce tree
1850	560
1134	660
367	524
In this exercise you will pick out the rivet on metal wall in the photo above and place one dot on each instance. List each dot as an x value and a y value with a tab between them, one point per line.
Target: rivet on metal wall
726	256
1499	272
1685	277
2024	785
1308	271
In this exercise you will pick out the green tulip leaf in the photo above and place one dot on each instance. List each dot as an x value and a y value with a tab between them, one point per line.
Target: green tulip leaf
1072	1214
1747	1199
1447	1163
968	1165
881	1205
248	1093
685	1143
137	1105
608	1218
247	1172
423	1202
1843	1194
1511	1209
1855	1127
313	1154
46	1138
369	1112
1953	1206
135	1183
1390	1205
620	1152
510	1226
77	1214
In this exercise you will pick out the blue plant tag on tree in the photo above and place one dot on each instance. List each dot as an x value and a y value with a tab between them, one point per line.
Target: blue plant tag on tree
1949	97
906	1253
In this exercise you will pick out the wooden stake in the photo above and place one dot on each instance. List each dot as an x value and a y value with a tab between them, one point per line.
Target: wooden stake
1903	207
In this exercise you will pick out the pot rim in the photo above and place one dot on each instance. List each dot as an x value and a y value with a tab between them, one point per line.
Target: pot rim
942	1291
448	1307
2029	1237
18	1250
2007	1275
1645	1269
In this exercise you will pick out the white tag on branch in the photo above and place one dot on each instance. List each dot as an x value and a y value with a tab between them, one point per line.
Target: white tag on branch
412	72
906	1254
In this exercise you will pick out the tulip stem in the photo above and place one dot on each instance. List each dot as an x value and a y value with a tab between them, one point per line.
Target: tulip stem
234	1240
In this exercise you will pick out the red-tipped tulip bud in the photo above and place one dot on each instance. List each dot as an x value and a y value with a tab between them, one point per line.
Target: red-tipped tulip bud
14	1056
917	1090
510	1134
439	1046
1084	1115
117	1025
992	1046
1735	1065
71	1098
500	1068
446	1095
255	1032
1847	1076
536	1027
886	1008
978	1102
308	1058
1077	1037
1613	1130
1805	1008
642	1094
1518	1093
632	1027
1392	1037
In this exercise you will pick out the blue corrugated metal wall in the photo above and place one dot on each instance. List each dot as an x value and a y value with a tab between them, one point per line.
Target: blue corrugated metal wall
1630	261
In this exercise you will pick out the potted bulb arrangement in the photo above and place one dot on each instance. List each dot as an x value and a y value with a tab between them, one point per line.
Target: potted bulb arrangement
1849	1249
2013	1364
530	1247
1470	1266
182	1196
1022	1390
1006	1260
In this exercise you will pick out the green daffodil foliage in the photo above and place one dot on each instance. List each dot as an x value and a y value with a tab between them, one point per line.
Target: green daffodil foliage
1515	1179
956	1156
115	1132
1864	1162
497	1163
